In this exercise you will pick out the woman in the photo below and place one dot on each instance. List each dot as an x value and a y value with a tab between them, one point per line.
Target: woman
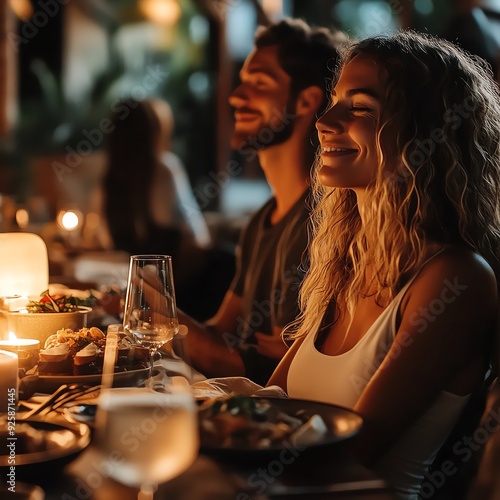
150	207
398	307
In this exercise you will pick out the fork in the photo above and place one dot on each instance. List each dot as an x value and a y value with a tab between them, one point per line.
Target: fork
67	398
64	393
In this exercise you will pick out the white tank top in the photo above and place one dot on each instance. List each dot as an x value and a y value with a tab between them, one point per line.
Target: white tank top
342	378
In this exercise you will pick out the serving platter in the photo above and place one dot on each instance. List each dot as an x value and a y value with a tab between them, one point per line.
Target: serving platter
342	424
49	383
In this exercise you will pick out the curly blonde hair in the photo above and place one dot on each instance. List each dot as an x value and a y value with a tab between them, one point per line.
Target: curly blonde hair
438	179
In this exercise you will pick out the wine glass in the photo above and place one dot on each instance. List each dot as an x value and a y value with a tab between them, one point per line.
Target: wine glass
150	314
147	437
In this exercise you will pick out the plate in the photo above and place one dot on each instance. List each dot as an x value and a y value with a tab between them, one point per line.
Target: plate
342	424
23	491
38	441
49	383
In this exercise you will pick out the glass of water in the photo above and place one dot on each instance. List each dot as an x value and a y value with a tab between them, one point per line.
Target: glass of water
148	437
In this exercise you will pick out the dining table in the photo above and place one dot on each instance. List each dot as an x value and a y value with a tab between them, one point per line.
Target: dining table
335	475
315	473
312	473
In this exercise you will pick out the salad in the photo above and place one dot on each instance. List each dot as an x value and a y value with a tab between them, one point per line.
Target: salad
58	303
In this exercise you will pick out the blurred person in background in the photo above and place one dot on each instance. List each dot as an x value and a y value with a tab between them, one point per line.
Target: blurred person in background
149	205
283	87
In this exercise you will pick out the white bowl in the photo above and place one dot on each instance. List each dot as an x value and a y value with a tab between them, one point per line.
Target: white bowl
39	326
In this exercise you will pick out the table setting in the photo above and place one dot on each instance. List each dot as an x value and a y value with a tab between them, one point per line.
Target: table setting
120	413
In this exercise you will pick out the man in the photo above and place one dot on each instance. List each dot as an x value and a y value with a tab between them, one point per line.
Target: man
283	88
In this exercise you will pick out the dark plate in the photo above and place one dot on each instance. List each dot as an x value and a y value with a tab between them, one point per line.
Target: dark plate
342	425
49	383
58	440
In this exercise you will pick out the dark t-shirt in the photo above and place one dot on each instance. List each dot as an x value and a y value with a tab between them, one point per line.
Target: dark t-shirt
270	268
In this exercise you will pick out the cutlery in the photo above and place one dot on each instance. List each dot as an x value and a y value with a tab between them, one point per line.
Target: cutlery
74	396
64	394
63	389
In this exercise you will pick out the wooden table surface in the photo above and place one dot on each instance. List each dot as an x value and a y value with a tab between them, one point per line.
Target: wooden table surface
328	474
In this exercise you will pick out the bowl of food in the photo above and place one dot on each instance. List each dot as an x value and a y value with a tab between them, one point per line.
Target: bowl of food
41	318
258	428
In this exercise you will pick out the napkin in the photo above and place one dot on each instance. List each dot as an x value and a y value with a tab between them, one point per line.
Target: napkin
224	386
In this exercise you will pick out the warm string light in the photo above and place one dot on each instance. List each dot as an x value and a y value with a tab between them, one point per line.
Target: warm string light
22	218
23	9
69	220
273	8
165	12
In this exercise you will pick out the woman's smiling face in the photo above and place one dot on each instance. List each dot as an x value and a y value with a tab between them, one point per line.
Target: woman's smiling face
347	130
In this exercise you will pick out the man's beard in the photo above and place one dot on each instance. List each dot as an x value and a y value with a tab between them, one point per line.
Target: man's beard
268	134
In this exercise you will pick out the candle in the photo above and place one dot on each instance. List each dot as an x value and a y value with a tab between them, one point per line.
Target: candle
8	381
24	265
27	350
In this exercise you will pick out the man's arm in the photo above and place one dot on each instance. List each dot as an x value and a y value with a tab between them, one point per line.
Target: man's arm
211	347
273	345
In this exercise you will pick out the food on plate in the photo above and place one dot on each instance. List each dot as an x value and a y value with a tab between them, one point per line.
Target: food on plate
311	432
58	303
30	439
255	423
82	353
56	359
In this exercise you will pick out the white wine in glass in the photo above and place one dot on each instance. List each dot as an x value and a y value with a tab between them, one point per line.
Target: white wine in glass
148	437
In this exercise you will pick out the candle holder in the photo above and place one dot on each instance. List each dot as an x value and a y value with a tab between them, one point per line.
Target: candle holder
27	350
39	326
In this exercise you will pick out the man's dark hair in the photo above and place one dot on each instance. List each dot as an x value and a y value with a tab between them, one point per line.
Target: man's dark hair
308	55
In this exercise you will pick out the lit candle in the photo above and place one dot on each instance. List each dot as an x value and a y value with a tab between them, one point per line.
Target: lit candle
8	381
27	350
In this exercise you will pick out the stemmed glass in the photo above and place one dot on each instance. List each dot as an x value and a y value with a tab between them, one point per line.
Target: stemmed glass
150	314
147	437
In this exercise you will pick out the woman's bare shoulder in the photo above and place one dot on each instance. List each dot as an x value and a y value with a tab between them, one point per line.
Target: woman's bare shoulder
459	270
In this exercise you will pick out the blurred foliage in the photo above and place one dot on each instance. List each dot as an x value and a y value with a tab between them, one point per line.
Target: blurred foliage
49	122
